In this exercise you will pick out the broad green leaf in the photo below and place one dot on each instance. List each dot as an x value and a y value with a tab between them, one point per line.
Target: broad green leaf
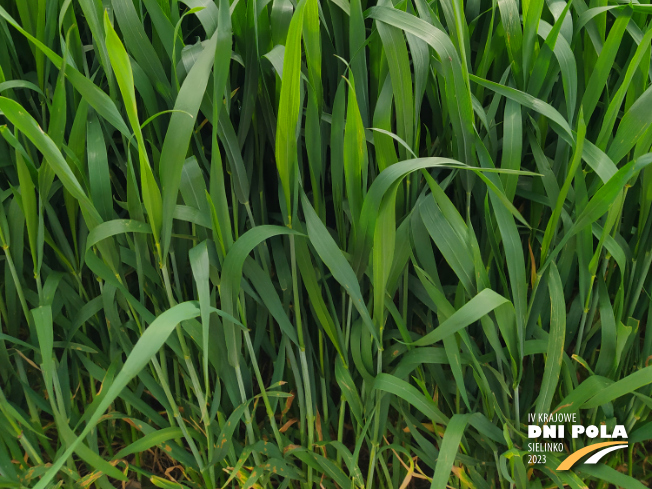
150	440
556	335
231	277
620	388
449	446
355	156
333	258
530	102
124	76
175	146
595	84
28	196
289	105
411	394
147	346
200	264
458	95
482	304
511	22
99	174
28	126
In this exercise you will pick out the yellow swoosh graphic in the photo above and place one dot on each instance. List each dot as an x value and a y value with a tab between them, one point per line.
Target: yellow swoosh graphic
574	457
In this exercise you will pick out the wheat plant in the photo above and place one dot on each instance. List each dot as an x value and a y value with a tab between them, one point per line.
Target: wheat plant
322	243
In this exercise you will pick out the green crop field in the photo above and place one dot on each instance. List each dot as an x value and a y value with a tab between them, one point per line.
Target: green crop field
324	243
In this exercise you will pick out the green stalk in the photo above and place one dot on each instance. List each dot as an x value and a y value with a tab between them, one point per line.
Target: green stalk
323	375
375	444
340	428
177	416
347	319
348	325
195	379
19	287
261	385
310	416
18	432
248	419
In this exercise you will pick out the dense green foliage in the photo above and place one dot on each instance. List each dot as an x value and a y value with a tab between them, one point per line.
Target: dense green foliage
284	243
